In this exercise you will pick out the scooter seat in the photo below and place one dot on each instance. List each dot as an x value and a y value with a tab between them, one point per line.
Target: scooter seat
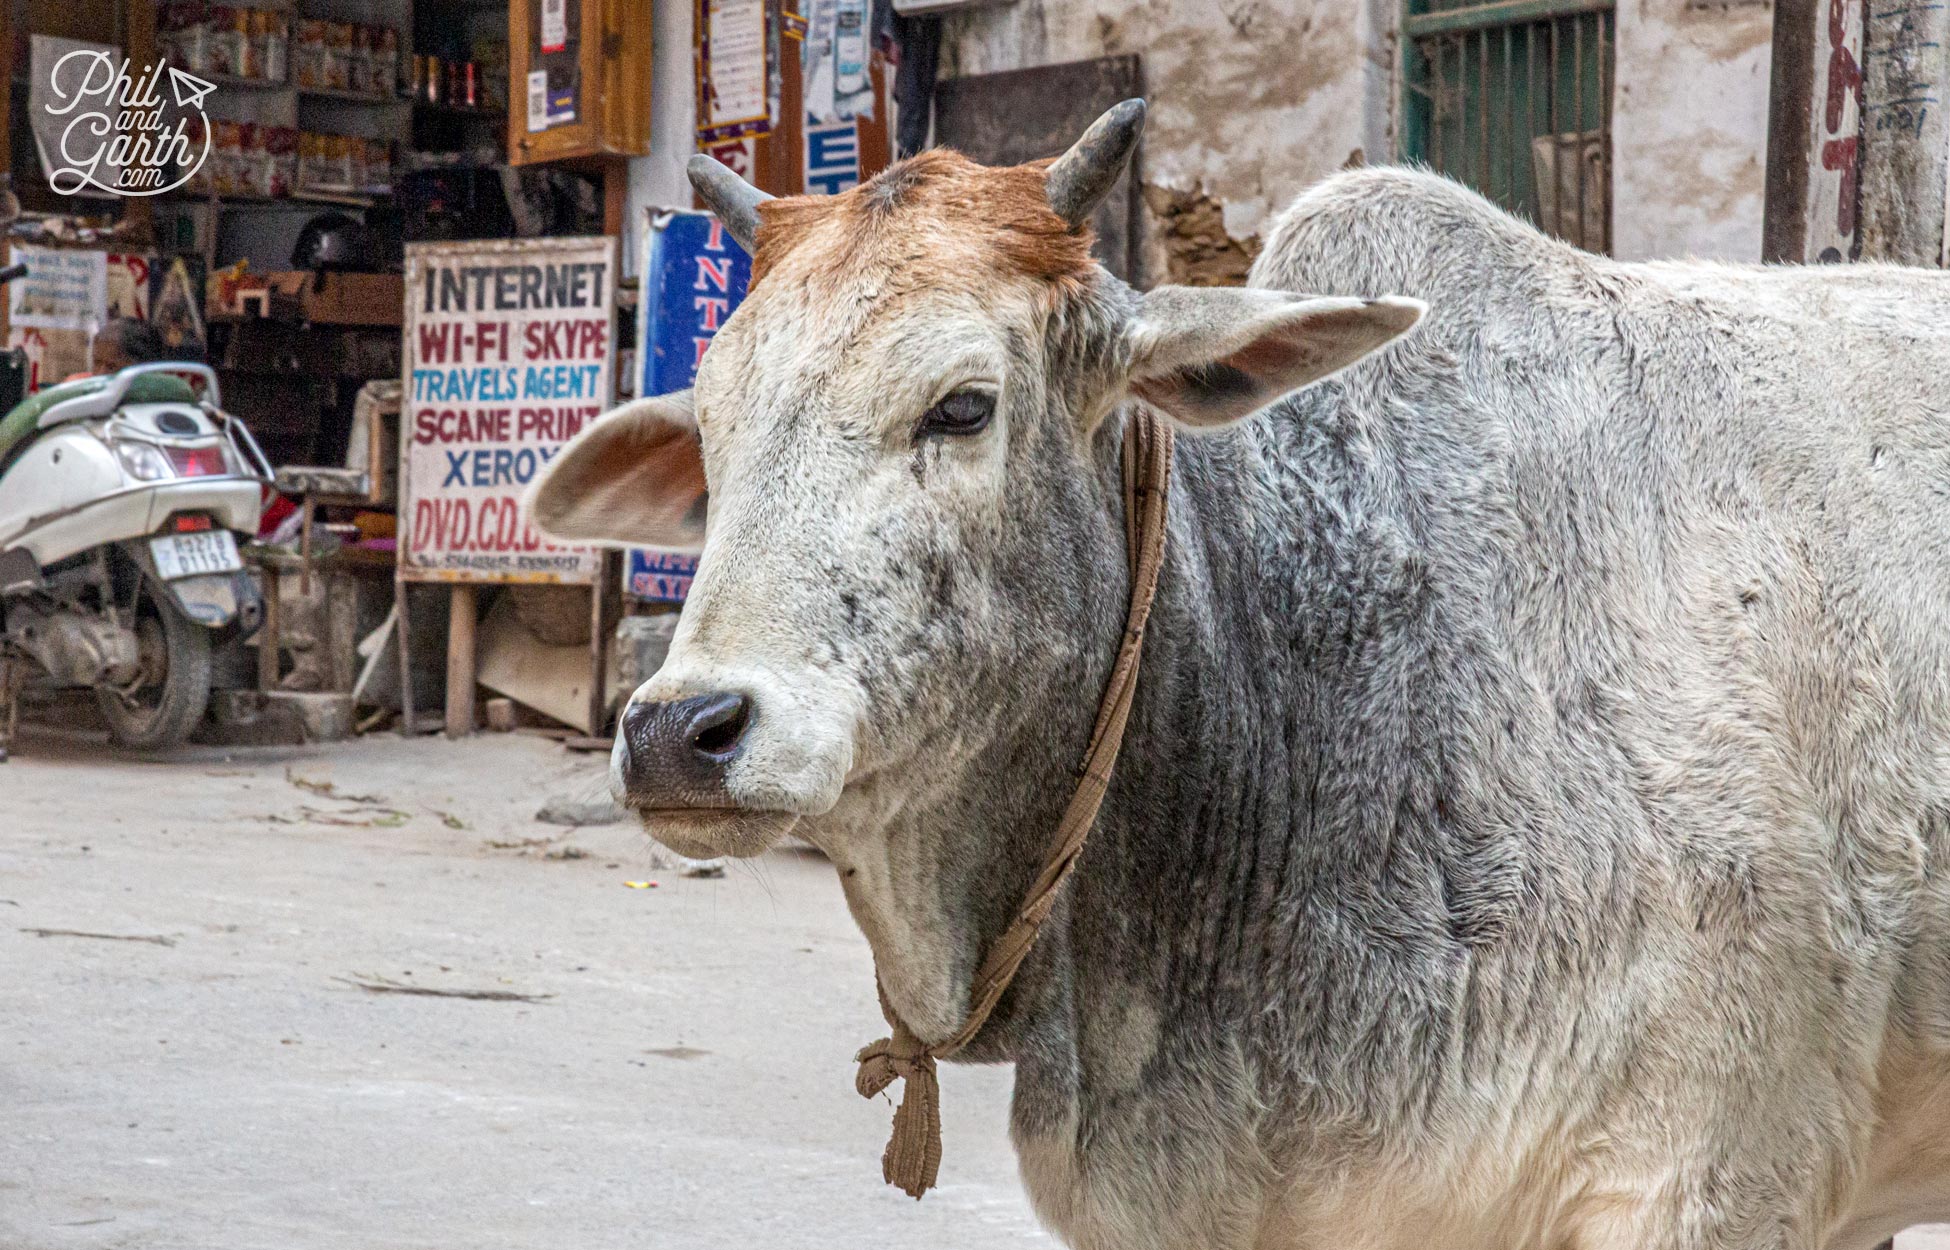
150	388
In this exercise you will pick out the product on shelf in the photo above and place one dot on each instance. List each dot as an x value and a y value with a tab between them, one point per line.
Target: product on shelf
281	161
183	32
462	80
247	60
227	41
338	56
430	79
202	178
226	151
271	40
491	55
226	57
358	68
308	54
343	164
253	169
385	60
313	170
378	176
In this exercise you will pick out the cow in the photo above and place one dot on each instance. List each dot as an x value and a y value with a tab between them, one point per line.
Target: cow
1532	827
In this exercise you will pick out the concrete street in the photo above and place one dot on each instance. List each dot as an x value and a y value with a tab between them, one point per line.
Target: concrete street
688	1083
217	1083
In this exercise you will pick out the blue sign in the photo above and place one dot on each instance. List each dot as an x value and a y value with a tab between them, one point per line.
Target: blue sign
694	275
832	157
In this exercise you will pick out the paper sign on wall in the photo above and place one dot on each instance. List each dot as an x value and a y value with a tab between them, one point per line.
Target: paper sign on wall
733	101
63	290
834	60
555	25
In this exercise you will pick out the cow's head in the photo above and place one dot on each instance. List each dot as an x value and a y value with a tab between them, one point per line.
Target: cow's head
911	546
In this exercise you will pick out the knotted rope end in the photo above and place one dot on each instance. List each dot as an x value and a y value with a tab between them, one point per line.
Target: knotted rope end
912	1160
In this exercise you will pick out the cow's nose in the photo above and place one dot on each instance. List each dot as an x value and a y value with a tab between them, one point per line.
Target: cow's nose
676	754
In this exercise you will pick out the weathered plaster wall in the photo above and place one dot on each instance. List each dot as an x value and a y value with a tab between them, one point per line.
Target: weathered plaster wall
1251	100
657	180
1689	129
1254	99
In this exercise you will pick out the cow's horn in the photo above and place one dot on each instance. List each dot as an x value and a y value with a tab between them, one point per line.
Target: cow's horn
734	200
1082	176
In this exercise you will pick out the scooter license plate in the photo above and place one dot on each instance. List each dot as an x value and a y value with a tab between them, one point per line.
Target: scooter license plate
188	555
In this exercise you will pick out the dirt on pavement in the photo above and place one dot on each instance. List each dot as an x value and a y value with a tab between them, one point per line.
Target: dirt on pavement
355	996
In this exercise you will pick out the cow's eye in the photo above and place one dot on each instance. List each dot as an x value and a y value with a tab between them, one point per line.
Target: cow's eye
964	412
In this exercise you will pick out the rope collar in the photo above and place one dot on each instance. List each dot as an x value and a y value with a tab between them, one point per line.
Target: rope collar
913	1157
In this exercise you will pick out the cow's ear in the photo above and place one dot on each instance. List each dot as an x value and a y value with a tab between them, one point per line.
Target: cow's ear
634	478
1213	355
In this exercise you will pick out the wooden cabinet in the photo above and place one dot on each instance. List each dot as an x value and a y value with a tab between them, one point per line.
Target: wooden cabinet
579	79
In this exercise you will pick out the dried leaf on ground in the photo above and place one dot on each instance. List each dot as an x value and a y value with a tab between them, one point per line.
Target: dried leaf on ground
328	790
153	939
355	818
384	985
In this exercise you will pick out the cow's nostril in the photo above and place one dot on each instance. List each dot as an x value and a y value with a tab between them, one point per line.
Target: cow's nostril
718	725
679	754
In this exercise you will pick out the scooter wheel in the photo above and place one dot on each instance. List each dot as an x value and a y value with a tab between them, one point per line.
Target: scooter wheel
168	699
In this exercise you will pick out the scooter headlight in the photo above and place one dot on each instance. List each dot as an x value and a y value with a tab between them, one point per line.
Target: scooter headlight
145	462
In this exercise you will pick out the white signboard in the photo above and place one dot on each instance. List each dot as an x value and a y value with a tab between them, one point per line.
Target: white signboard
510	352
63	290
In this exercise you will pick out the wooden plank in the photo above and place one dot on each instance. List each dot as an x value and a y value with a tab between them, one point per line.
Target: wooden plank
511	659
616	196
1790	90
402	637
1905	137
779	159
599	597
139	45
6	121
1814	133
271	632
460	660
626	54
1500	13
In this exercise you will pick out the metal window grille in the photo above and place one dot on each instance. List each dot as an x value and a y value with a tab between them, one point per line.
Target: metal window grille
1513	98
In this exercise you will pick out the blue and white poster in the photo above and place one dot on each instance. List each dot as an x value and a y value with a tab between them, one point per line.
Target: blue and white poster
832	157
694	275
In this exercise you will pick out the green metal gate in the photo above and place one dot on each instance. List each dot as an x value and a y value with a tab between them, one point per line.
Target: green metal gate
1514	98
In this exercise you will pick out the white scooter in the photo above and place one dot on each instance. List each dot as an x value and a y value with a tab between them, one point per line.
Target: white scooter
121	499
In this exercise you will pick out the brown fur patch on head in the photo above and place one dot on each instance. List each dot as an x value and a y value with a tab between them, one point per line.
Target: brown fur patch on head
904	212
